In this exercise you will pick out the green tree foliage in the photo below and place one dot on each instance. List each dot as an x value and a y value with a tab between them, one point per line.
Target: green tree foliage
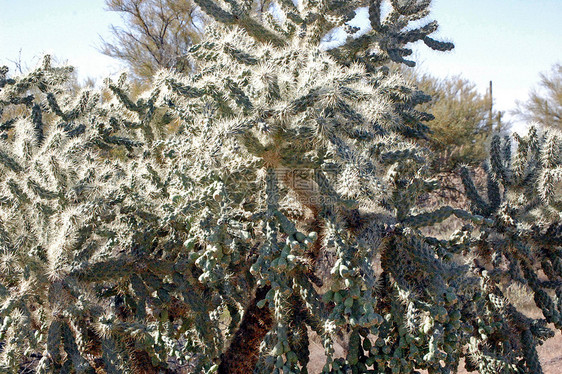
464	120
185	230
544	105
157	34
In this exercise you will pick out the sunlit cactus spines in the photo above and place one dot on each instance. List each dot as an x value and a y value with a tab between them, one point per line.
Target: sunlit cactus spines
220	221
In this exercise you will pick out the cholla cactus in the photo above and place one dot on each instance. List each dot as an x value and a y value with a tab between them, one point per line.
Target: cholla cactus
523	235
186	230
70	228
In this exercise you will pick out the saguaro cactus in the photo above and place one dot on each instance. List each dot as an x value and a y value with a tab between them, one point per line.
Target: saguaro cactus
186	230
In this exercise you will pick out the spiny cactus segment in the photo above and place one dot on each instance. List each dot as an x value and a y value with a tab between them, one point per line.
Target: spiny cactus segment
188	229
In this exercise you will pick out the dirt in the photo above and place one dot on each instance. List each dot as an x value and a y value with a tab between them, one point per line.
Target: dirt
550	354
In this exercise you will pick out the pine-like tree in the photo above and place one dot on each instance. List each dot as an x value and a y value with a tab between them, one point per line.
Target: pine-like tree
464	122
188	230
157	34
544	105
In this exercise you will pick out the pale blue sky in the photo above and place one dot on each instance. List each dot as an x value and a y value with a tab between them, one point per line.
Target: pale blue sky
507	41
69	30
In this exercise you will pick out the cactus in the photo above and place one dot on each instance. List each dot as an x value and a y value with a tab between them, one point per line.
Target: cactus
189	227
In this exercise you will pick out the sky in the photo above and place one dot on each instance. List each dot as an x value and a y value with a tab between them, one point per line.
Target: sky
507	41
69	30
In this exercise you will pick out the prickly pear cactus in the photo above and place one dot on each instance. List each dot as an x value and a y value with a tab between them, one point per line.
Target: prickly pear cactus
187	230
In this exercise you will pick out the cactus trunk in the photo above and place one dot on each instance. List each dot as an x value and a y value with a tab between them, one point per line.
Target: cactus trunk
242	354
